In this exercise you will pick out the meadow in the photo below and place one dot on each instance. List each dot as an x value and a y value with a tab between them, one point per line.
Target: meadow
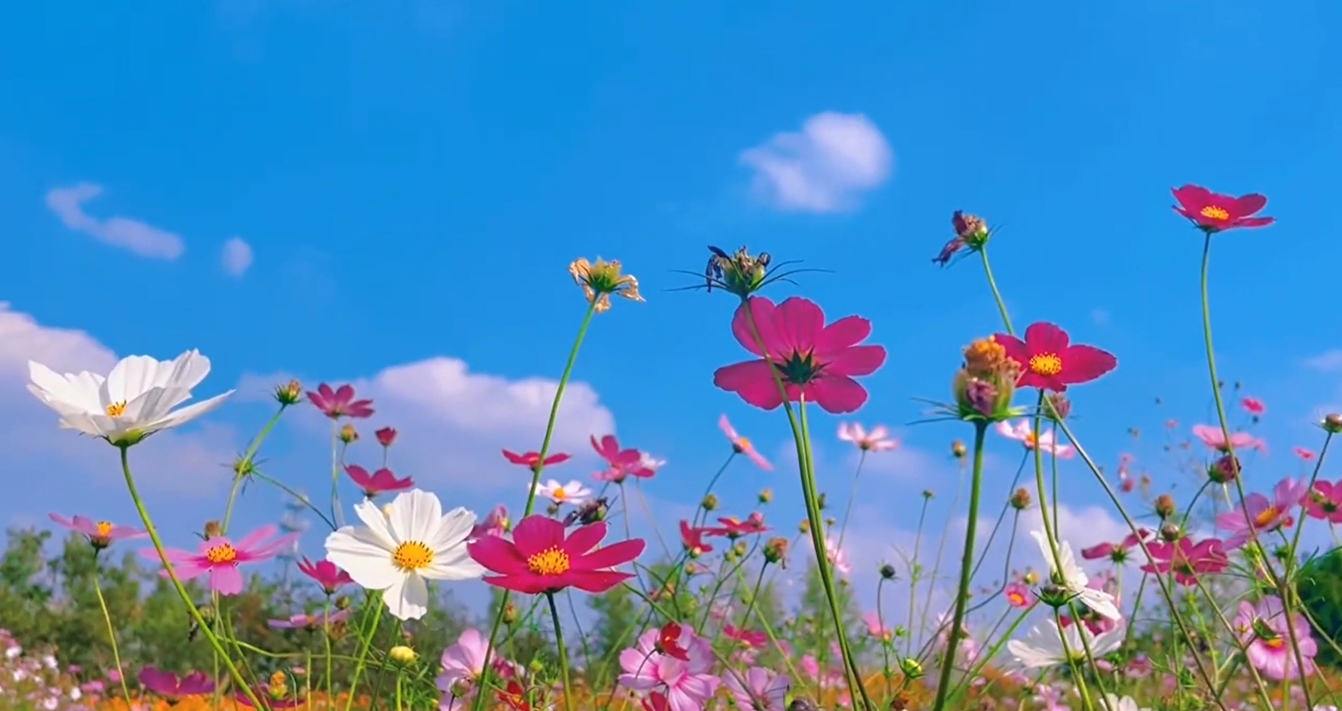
1207	601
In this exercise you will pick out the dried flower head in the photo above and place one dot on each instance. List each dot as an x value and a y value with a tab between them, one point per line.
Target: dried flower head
986	383
601	279
1020	499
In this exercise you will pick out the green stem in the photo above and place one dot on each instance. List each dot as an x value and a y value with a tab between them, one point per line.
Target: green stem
244	466
563	652
326	636
194	611
363	658
997	295
337	513
966	568
852	496
111	632
709	489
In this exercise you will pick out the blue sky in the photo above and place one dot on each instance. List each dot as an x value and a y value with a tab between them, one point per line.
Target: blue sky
413	178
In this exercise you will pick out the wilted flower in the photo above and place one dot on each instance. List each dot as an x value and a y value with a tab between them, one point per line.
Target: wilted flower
600	280
986	383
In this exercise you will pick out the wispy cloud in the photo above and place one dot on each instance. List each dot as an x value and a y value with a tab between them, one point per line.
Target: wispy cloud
236	256
825	167
139	237
1328	361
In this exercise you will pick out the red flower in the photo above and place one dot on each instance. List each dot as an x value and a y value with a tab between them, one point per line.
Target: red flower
531	459
340	402
1187	560
1304	454
735	527
1049	361
751	639
541	559
1253	406
814	361
693	538
327	574
668	642
620	463
386	436
380	481
1214	212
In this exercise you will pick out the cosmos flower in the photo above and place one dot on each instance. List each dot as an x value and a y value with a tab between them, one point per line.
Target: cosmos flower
757	689
1186	559
1215	438
135	400
741	445
101	534
877	440
531	459
1017	594
1048	645
398	550
601	279
1324	501
1214	212
169	685
1264	515
327	574
339	402
571	493
813	360
1117	552
1066	574
1023	432
1049	361
386	436
1264	630
620	462
379	482
494	524
541	558
688	683
314	621
1253	406
220	557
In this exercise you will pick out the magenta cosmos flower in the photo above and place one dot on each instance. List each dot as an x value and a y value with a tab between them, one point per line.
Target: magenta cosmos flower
741	445
311	622
1187	560
1049	361
327	574
101	534
1214	212
339	402
1324	501
1265	631
379	482
814	361
685	677
1215	438
1264	515
621	463
169	685
542	559
220	557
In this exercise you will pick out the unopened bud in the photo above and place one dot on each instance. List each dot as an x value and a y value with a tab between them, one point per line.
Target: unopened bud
1058	408
342	603
911	668
289	393
804	527
710	502
510	614
1332	423
386	436
213	529
958	449
1165	506
1020	499
402	654
775	550
1170	533
887	571
766	496
1224	470
348	434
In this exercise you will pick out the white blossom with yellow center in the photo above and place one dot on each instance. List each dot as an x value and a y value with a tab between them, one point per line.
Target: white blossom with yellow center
403	545
134	400
571	493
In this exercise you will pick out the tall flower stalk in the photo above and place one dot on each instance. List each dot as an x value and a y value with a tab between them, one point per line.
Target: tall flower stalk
956	634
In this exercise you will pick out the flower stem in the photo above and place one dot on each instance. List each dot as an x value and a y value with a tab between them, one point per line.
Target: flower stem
563	651
852	496
363	652
709	489
536	475
326	636
177	582
244	466
337	513
111	633
966	568
997	295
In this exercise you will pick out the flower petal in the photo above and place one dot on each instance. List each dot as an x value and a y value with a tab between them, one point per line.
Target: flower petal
610	556
1045	337
752	380
798	323
498	554
536	533
226	579
407	598
836	394
1246	205
857	360
761	312
1082	364
842	334
414	516
364	555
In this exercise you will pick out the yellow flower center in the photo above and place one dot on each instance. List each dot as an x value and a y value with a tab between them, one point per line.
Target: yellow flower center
278	679
551	561
743	443
1213	212
412	556
1031	439
559	494
1275	643
1266	516
104	529
1046	364
116	409
221	554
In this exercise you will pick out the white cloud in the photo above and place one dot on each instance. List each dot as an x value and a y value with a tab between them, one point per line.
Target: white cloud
236	256
825	167
1328	361
138	237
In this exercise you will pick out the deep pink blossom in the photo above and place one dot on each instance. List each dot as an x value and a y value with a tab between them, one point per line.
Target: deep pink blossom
1324	501
1048	360
541	558
339	402
386	436
814	361
169	685
1187	560
1117	552
620	463
220	558
741	445
101	534
531	459
1017	594
1214	212
687	683
379	482
1264	515
1214	437
495	524
1305	454
1253	406
327	574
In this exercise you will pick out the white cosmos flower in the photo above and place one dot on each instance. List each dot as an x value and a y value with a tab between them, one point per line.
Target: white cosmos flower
134	401
1114	702
1067	574
571	493
1043	646
401	546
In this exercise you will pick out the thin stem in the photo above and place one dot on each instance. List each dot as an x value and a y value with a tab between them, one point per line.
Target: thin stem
326	636
997	295
852	496
966	568
709	489
363	655
563	651
244	466
111	632
177	582
337	514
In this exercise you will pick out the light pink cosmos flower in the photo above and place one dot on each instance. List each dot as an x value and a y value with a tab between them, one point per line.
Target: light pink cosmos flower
463	662
1324	501
876	629
1264	630
837	556
758	689
1017	594
495	524
220	557
687	683
1186	559
1023	432
339	402
101	534
621	463
877	440
742	445
1264	515
1215	438
814	361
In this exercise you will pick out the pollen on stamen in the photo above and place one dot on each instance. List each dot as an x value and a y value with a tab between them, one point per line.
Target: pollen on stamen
1215	213
1046	364
551	561
116	409
221	554
412	556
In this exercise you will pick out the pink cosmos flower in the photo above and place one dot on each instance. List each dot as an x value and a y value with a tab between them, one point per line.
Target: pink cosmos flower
620	463
1017	594
327	574
1023	432
741	445
814	361
1117	552
463	663
379	482
542	558
314	621
687	683
752	639
339	402
1186	559
386	436
758	689
877	440
692	538
1215	438
1264	515
495	524
1305	454
1324	501
101	534
531	459
1264	630
1253	406
220	558
837	556
875	628
169	685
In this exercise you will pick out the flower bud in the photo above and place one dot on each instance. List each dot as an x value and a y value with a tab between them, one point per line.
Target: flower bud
766	496
1055	596
887	571
972	229
804	527
402	654
740	273
1058	407
348	434
1332	423
911	668
1170	533
927	493
959	450
775	550
1165	506
710	502
342	603
213	529
386	436
1224	470
289	393
1020	499
510	614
